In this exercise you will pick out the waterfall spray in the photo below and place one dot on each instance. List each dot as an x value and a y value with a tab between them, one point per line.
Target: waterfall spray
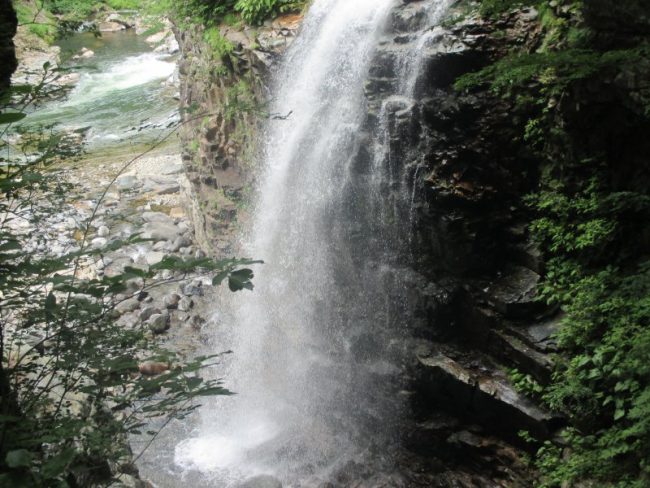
315	365
298	385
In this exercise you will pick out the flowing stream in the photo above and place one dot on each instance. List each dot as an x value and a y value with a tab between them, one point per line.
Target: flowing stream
121	95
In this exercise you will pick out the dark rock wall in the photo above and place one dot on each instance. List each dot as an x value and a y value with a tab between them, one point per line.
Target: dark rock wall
466	168
463	266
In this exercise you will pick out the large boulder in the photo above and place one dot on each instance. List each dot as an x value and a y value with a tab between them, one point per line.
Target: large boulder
111	27
160	231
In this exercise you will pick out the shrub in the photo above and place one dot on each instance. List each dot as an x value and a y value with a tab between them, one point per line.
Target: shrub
70	391
592	230
256	11
209	13
494	8
220	45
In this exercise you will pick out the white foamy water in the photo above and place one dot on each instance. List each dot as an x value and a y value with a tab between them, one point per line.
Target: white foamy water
411	64
227	452
312	343
298	389
132	72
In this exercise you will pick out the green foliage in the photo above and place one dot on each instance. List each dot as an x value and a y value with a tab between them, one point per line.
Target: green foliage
83	9
38	20
594	236
70	387
44	31
494	8
204	12
210	13
551	72
579	222
78	9
240	100
154	26
124	4
604	384
566	56
525	383
38	13
49	19
232	20
220	45
256	11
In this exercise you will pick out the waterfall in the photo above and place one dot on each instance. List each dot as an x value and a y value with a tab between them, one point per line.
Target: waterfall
409	67
411	63
315	361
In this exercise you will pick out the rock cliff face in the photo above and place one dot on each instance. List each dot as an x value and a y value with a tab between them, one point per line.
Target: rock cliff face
458	169
469	169
453	171
223	98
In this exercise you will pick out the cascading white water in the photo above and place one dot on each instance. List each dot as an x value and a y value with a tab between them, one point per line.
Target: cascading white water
411	64
409	67
296	386
310	363
128	73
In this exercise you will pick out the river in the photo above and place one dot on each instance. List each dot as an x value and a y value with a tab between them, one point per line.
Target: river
122	95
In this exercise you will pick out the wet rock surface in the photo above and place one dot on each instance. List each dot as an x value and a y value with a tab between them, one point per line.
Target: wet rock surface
467	270
471	383
218	154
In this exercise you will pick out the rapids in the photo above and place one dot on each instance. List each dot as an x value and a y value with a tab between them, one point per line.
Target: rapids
121	95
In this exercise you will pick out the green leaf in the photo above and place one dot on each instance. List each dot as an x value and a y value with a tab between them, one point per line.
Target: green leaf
22	89
131	272
20	458
218	279
9	418
10	245
16	480
214	391
11	117
58	464
119	364
240	280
